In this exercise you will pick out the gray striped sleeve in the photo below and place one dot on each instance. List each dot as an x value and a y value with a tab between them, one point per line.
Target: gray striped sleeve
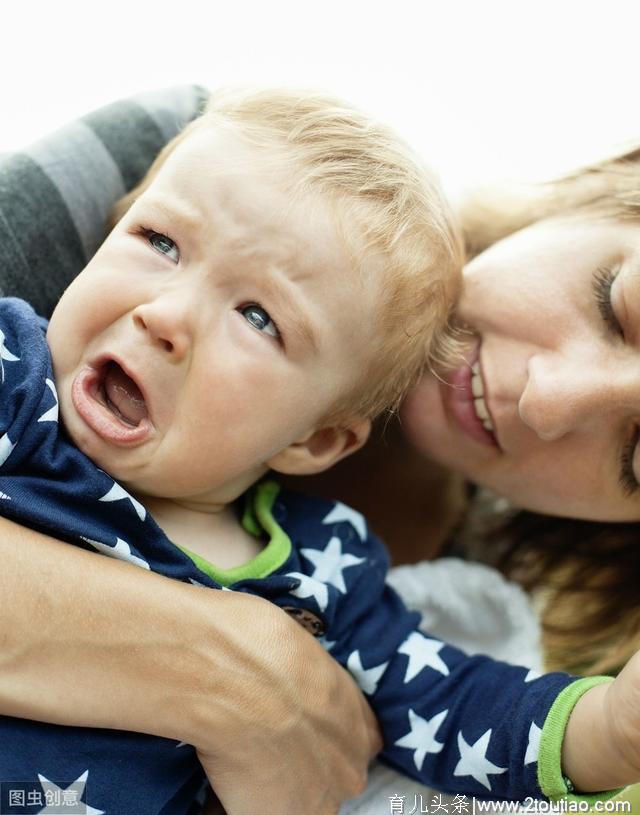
91	166
170	108
55	196
40	250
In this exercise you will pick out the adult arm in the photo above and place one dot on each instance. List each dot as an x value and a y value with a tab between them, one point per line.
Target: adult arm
90	641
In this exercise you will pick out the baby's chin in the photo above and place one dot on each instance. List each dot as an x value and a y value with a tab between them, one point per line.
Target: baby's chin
86	441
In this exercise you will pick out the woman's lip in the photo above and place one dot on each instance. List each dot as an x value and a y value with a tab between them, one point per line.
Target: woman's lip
457	397
85	395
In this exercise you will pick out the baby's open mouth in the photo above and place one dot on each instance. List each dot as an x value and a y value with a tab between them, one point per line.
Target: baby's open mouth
118	392
112	404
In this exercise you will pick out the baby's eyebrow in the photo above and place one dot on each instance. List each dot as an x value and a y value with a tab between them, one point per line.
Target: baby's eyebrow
288	305
178	209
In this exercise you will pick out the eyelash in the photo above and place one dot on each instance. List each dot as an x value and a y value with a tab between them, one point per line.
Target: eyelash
146	232
278	338
627	478
603	280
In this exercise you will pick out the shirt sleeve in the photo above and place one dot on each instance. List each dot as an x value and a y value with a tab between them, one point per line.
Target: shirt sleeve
24	376
464	724
56	194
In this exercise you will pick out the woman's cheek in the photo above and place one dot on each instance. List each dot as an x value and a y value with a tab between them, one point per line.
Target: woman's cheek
422	417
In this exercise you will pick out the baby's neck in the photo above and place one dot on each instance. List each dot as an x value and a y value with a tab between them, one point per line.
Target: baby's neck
213	533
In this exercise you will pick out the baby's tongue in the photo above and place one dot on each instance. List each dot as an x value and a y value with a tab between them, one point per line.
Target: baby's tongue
123	395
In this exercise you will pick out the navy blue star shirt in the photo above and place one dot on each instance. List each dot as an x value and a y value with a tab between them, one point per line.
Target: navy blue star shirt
463	724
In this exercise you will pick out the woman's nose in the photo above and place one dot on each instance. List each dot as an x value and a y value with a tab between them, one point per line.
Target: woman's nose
165	321
564	393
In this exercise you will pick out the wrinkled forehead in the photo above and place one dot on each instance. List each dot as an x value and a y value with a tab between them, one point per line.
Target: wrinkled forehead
248	195
216	171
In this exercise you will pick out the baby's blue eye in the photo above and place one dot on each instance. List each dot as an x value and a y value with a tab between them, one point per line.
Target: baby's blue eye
164	245
260	319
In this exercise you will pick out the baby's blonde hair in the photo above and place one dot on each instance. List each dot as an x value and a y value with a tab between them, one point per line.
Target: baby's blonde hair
387	203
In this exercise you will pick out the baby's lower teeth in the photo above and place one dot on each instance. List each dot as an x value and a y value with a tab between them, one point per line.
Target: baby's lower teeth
487	425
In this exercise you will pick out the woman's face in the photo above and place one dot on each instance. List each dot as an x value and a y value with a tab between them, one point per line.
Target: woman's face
545	410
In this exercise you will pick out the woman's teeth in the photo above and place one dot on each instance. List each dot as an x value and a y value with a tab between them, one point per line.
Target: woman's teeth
477	389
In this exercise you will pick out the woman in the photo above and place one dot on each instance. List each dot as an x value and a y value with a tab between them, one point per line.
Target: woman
549	430
543	410
553	309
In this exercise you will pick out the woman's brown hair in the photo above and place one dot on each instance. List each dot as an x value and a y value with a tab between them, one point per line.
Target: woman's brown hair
588	577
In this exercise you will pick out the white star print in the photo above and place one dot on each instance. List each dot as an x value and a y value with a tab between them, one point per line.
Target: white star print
326	644
340	512
533	747
198	583
5	354
201	795
474	761
422	736
121	551
330	562
422	652
6	446
532	675
56	793
310	588
367	678
52	414
117	493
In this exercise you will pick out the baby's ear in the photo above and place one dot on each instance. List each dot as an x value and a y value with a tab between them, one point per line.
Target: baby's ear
321	448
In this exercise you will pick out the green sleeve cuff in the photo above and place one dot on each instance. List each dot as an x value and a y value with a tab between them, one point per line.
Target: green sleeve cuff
552	783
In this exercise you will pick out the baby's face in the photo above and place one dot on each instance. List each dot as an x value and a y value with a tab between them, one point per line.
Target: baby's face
216	326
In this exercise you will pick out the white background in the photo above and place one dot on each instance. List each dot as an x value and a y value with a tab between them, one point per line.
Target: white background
485	89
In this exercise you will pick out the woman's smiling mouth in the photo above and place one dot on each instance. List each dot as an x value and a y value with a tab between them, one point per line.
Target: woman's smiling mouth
463	396
477	389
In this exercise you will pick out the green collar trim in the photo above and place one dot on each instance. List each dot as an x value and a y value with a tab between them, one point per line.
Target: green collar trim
258	520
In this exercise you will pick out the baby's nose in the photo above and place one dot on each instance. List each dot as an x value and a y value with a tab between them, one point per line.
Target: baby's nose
164	321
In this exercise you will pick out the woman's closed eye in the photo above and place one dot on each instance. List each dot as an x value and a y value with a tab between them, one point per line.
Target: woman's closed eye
163	244
627	477
602	283
260	319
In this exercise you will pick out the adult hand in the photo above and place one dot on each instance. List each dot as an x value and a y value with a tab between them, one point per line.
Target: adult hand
298	734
